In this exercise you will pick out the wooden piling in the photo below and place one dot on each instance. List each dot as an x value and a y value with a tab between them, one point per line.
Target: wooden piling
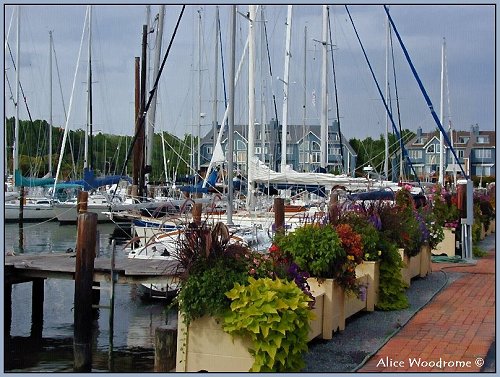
84	273
7	311
279	214
165	348
37	299
82	202
196	212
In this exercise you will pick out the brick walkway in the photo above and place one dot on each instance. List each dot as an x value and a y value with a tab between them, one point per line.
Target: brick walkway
452	331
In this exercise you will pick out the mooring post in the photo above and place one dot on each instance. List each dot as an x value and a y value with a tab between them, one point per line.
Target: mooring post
196	211
7	312
84	275
279	214
37	299
82	202
165	348
22	199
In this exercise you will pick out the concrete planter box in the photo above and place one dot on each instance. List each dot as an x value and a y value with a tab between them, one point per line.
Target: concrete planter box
204	345
447	246
425	260
372	271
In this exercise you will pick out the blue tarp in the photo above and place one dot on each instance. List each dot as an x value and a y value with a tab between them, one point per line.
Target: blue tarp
212	178
90	182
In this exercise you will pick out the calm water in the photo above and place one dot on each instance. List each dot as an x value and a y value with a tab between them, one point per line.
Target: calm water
134	320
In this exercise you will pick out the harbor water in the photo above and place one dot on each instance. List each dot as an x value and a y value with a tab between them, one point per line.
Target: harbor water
135	320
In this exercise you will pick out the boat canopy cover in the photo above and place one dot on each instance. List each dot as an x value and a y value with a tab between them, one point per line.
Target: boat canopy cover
19	180
373	195
90	182
198	188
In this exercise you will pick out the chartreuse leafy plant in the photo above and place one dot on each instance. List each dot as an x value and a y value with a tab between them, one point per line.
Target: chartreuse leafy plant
275	314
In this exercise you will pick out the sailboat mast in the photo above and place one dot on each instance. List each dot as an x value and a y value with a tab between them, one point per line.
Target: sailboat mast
88	134
251	104
386	159
230	116
263	87
15	159
50	102
441	117
198	115
152	110
324	91
304	103
286	77
216	72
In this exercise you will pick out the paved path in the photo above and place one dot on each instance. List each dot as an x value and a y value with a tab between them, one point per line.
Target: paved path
453	332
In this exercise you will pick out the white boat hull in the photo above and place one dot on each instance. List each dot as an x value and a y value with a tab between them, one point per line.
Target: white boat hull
31	212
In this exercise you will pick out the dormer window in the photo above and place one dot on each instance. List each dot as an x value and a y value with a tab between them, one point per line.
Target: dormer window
483	139
420	140
433	148
463	140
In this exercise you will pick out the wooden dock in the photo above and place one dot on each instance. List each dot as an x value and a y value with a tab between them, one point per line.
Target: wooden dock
26	267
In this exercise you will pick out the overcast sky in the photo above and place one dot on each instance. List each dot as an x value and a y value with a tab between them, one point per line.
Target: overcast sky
469	31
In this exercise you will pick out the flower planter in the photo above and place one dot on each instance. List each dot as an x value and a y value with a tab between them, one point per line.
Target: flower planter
411	266
372	271
204	345
353	304
491	228
447	246
333	317
483	232
425	260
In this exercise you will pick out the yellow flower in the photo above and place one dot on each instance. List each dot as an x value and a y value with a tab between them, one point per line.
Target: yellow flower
367	255
380	252
350	257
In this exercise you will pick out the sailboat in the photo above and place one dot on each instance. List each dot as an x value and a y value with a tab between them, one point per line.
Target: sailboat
98	202
34	208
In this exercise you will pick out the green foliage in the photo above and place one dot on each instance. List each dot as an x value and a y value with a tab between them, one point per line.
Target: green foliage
204	293
209	265
392	294
275	315
109	150
316	249
478	252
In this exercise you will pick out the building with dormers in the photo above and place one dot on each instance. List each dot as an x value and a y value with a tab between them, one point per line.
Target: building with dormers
475	150
302	149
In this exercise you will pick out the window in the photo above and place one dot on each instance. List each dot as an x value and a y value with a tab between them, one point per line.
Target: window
483	170
460	153
315	146
209	149
241	157
315	157
240	145
303	157
463	140
483	153
415	154
420	140
333	151
483	139
433	148
289	149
